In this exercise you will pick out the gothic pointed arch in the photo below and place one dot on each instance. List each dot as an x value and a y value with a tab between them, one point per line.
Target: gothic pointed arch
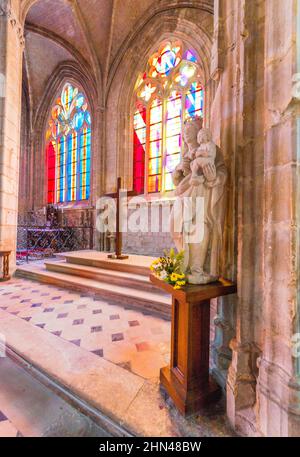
195	32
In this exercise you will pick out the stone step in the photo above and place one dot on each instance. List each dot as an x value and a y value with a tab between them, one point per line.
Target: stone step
120	278
21	387
136	264
94	386
126	296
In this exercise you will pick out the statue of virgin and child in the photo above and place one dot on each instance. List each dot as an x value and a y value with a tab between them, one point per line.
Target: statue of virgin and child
197	218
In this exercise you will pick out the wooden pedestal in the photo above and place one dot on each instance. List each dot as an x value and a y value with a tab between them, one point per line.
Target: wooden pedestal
187	380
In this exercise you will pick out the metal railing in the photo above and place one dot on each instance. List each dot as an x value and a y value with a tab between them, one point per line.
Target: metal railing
36	242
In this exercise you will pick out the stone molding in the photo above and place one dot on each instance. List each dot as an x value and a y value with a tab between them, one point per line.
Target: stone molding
7	11
217	52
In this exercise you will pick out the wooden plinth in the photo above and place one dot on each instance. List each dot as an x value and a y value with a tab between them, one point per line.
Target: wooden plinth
187	380
118	257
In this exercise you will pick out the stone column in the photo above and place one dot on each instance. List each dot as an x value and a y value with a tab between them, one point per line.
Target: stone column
11	47
99	166
244	36
278	389
263	385
223	123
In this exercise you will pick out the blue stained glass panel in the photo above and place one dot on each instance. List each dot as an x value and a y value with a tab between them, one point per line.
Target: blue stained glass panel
79	120
80	100
190	55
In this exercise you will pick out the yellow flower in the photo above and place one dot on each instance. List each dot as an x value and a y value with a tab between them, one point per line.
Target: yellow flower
154	264
180	283
176	287
181	276
174	277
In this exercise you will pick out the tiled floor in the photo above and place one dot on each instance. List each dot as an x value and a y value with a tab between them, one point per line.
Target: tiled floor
134	340
7	430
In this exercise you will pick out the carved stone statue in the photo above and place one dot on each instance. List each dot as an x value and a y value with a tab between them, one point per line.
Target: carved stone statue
203	155
201	173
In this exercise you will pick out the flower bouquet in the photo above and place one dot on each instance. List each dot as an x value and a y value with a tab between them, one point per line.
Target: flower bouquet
169	268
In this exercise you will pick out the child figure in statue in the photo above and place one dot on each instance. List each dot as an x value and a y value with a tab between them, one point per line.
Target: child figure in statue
203	155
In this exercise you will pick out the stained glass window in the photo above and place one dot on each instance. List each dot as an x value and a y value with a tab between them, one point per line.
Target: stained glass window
167	94
69	148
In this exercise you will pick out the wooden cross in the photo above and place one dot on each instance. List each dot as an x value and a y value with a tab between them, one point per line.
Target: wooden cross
118	254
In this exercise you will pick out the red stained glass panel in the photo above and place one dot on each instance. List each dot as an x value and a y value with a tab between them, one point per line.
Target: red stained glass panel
139	147
51	173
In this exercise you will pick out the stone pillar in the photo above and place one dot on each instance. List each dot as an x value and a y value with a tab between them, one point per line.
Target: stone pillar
223	121
100	241
242	95
25	191
11	47
260	66
278	389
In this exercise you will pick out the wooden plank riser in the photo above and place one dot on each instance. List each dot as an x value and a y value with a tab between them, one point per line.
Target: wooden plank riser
140	304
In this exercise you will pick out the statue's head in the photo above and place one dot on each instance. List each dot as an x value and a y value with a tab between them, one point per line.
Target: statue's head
204	136
191	129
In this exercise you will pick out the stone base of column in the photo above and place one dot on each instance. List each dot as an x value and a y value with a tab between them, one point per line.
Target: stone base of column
278	401
224	332
241	388
221	362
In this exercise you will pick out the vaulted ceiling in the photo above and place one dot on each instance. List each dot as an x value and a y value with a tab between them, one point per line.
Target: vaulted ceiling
88	32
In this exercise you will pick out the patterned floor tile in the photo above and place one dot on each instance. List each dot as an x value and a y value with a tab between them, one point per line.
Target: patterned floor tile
117	337
98	352
97	329
133	323
144	346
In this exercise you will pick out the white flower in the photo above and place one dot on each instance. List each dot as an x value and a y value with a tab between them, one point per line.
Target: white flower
163	274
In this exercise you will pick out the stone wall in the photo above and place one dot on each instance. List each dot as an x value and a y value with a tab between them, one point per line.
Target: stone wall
11	39
155	237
